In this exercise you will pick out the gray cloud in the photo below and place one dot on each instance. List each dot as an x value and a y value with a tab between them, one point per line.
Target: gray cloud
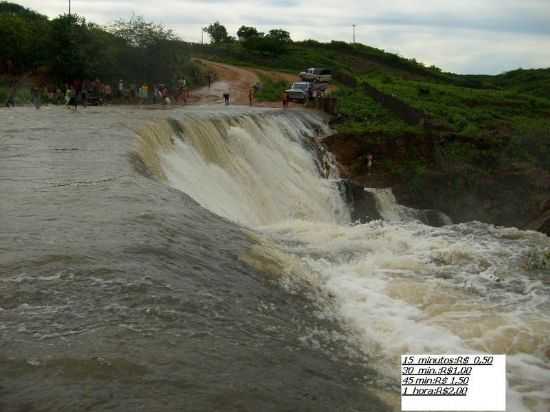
531	24
468	36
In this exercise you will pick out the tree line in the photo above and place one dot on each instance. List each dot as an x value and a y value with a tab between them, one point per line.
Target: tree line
276	41
68	47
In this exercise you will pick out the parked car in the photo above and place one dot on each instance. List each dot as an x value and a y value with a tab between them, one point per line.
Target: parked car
315	74
299	92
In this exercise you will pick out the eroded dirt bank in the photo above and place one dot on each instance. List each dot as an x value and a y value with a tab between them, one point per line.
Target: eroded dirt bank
516	195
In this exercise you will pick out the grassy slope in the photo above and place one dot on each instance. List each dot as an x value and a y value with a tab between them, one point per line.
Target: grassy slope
271	90
339	56
468	104
468	111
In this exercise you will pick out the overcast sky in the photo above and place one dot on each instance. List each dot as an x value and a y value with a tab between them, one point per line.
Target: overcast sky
464	36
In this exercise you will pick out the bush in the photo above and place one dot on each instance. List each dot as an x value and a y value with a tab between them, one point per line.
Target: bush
271	90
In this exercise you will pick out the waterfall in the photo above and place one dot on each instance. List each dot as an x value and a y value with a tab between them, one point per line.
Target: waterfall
390	210
253	169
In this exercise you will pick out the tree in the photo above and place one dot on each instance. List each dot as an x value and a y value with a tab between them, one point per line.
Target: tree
275	42
246	32
279	35
152	53
67	43
23	33
139	33
14	9
69	48
217	33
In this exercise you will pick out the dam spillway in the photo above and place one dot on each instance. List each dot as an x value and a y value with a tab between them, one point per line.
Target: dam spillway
198	259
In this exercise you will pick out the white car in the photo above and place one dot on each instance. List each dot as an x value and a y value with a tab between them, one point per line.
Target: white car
314	74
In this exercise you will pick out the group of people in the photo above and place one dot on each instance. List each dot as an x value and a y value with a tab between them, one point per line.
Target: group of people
153	93
96	92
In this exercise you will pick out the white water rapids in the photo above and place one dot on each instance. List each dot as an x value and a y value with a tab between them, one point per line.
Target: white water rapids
398	286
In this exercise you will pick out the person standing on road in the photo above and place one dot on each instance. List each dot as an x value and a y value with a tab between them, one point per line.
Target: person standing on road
226	98
120	89
10	102
73	98
285	100
35	97
108	93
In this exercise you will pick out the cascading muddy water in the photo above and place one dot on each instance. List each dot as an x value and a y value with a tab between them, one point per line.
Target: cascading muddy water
252	169
398	286
390	210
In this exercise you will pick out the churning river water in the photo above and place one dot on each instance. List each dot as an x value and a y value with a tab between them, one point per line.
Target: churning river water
197	260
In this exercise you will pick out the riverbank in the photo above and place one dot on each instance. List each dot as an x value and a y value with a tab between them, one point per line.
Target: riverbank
515	194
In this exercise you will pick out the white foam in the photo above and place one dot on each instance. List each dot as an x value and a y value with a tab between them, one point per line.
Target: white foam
409	288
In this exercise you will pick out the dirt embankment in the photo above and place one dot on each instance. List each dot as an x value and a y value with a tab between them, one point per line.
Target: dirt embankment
515	195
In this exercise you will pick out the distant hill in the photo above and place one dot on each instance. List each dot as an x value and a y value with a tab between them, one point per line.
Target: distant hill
535	82
13	9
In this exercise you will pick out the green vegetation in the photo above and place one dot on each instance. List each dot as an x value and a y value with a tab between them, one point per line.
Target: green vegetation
24	35
68	48
23	95
535	82
218	33
470	112
364	116
343	58
271	90
485	129
274	43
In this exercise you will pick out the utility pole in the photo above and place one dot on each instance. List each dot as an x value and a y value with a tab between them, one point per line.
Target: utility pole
69	8
202	36
354	34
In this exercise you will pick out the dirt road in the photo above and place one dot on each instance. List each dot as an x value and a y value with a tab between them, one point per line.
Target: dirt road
237	81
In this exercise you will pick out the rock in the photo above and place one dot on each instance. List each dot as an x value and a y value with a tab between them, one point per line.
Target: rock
435	218
542	223
362	204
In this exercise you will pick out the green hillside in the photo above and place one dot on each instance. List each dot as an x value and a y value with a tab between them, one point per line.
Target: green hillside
343	58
